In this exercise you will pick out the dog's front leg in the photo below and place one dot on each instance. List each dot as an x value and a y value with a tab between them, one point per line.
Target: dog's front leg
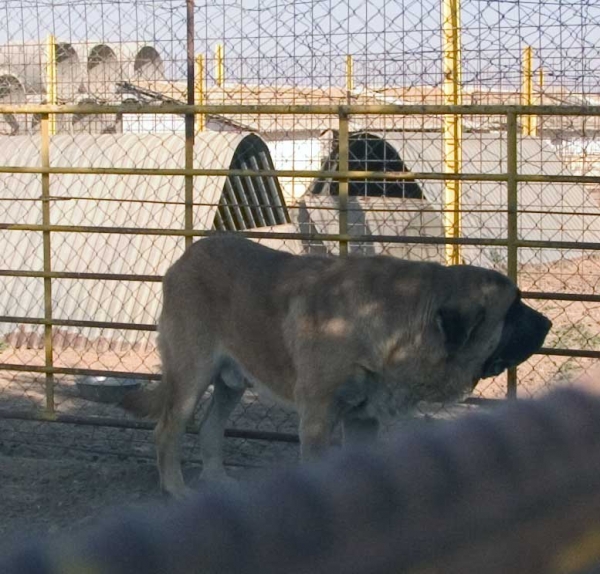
360	429
316	426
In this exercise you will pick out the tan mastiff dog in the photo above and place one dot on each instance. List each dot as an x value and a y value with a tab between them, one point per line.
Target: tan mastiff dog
342	339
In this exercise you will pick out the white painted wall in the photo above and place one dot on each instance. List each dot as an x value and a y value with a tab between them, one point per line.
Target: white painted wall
155	123
296	154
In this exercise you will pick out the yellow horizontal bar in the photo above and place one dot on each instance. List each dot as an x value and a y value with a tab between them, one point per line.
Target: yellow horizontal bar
76	371
250	173
337	237
74	323
350	174
352	208
251	234
538	295
79	276
354	109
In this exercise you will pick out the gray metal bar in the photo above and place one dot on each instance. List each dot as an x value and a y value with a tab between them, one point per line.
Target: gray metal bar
264	195
276	193
231	201
129	423
255	205
308	109
239	192
226	211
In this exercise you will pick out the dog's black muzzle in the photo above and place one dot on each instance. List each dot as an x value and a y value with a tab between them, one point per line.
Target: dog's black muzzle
524	332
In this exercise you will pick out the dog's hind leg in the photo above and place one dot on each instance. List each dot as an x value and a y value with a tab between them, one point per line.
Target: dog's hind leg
168	436
229	387
188	381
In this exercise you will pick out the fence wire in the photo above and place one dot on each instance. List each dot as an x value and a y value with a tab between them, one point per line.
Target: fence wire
80	295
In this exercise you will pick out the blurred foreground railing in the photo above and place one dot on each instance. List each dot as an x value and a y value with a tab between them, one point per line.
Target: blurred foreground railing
516	490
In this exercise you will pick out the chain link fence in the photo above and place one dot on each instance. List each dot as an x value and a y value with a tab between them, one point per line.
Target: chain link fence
321	129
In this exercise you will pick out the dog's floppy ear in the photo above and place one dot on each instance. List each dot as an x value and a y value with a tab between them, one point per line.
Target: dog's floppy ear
457	323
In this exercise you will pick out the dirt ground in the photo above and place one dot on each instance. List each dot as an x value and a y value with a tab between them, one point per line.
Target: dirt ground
58	477
50	492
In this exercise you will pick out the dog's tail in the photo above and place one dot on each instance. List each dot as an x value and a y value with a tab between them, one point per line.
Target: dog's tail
147	403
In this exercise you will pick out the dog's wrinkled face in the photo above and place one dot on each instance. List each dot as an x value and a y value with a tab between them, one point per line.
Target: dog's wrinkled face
523	334
486	328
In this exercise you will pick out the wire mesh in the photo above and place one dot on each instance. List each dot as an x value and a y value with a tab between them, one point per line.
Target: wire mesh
105	293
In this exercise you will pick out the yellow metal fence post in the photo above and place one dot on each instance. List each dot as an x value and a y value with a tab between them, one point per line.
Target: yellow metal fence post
528	122
512	222
47	263
219	65
540	100
189	125
51	88
343	163
452	126
200	92
349	77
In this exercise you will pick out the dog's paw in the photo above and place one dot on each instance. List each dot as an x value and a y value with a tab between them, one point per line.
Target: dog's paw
179	493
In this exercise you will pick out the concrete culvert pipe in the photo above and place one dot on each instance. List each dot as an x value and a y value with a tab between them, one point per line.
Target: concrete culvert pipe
12	92
148	65
29	62
369	152
69	72
103	70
